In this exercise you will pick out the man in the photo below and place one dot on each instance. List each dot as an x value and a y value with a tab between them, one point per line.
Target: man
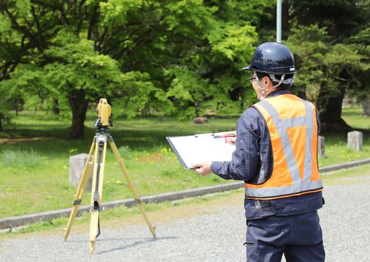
276	156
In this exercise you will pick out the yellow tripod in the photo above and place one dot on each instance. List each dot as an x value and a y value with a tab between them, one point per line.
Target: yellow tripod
99	146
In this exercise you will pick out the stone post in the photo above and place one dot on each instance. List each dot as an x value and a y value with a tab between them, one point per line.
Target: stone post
366	107
355	140
200	120
76	167
321	147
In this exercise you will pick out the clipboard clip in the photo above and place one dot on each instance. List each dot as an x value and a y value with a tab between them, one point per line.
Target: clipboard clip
202	135
213	135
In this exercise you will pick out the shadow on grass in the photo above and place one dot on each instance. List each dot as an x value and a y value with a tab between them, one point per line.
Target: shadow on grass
141	134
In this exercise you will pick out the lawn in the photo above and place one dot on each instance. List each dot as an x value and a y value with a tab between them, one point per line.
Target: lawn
34	174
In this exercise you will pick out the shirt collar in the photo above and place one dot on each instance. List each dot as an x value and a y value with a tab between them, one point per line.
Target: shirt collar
279	92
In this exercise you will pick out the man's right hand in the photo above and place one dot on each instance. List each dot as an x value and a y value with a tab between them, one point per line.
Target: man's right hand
230	136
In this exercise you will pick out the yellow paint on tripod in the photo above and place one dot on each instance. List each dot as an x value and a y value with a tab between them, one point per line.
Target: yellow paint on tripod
102	136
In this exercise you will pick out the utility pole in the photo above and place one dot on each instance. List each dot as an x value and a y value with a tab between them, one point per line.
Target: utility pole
278	20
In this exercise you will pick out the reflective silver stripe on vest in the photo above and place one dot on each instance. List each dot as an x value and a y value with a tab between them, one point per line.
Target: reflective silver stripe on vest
281	126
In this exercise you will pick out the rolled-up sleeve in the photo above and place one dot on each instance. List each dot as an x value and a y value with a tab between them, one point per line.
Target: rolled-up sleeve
245	163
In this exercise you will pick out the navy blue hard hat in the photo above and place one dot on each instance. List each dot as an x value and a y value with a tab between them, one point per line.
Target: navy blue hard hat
272	58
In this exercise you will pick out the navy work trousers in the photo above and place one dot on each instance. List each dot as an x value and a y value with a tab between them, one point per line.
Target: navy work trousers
298	237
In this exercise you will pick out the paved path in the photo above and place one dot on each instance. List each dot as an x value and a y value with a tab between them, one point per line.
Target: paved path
213	236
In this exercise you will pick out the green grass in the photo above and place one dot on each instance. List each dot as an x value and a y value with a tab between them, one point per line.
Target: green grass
357	175
336	147
337	151
353	117
34	175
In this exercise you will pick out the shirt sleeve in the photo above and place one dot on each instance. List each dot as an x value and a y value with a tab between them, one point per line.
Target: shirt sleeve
245	163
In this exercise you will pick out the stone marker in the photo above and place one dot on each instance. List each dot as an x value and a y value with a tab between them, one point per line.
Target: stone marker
355	140
76	167
366	107
201	120
321	147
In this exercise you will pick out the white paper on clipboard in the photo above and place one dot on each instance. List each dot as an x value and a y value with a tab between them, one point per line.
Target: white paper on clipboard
200	148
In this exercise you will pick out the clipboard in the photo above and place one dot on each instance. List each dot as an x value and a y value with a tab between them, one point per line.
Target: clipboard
200	148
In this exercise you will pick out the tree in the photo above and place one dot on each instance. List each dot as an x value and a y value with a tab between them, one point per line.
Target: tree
61	40
179	57
337	63
325	71
361	88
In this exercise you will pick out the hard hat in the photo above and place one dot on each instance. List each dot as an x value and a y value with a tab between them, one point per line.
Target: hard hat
272	58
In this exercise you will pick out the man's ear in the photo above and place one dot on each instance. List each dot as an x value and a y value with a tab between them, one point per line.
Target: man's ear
267	82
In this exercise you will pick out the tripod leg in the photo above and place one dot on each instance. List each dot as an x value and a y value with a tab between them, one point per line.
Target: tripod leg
97	188
80	191
131	185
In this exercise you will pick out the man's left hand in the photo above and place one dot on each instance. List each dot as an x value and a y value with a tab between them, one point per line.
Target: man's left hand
203	169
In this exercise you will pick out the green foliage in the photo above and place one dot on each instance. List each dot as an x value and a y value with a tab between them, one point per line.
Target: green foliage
135	94
79	66
234	42
5	25
188	16
338	66
186	88
115	12
340	17
27	79
23	7
361	85
321	65
309	49
177	57
139	53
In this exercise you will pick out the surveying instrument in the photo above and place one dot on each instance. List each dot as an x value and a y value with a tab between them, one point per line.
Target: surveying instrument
97	163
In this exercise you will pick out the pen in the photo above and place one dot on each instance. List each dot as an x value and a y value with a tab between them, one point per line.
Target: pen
214	135
222	136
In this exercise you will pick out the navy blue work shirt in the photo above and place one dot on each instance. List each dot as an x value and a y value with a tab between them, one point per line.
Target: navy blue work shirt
253	153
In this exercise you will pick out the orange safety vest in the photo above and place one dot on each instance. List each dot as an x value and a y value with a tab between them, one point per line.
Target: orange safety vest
292	126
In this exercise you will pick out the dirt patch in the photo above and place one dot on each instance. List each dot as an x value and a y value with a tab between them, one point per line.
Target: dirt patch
151	158
22	139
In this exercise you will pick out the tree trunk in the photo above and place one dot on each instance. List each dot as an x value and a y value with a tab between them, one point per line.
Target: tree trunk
55	108
1	122
196	107
16	107
330	108
285	23
79	105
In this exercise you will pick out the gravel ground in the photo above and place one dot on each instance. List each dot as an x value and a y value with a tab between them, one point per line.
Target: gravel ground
217	236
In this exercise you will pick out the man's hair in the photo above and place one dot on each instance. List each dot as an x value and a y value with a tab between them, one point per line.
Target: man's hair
281	86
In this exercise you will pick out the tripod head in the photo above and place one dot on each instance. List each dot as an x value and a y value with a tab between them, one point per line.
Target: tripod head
103	119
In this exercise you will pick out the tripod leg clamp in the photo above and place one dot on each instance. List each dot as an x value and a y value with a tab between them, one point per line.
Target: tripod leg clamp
96	209
76	202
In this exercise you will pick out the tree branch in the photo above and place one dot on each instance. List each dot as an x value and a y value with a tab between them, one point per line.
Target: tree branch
92	22
79	17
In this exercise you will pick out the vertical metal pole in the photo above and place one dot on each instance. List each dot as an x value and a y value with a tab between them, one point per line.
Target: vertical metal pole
278	20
